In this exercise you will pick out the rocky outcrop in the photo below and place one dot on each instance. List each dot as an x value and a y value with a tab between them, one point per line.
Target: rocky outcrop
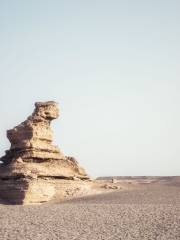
33	166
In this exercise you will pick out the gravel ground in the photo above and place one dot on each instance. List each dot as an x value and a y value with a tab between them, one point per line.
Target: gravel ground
151	212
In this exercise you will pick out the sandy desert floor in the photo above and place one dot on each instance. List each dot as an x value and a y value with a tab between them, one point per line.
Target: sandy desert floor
149	211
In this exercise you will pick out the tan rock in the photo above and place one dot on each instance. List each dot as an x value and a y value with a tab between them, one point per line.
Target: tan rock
32	158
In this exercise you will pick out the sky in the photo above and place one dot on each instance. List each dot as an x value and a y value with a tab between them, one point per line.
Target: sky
113	67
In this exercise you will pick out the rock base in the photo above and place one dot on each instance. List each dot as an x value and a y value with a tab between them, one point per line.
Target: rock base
23	191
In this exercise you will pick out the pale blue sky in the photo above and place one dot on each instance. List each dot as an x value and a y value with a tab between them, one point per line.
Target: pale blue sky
113	66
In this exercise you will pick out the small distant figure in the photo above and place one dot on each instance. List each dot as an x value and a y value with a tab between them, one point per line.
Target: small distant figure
114	180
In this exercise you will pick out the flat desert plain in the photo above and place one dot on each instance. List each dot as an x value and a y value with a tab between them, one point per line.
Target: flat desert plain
139	209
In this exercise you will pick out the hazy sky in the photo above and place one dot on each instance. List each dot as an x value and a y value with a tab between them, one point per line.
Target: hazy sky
114	67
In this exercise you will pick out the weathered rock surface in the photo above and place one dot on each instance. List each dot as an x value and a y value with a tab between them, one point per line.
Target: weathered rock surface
33	165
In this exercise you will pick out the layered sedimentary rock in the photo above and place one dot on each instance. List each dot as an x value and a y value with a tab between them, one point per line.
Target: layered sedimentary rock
33	167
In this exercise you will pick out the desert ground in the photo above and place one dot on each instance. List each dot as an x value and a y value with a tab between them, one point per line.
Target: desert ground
146	208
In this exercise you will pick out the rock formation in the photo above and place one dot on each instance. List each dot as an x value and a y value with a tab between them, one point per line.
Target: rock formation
34	169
